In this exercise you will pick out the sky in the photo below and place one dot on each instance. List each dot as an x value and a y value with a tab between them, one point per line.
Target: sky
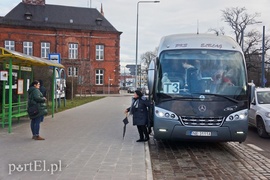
159	19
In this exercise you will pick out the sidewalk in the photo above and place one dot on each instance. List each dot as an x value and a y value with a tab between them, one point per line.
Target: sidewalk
81	143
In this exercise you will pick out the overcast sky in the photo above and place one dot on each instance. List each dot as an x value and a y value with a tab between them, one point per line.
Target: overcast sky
159	19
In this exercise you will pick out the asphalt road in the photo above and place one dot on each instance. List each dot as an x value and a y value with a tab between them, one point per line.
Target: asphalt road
262	145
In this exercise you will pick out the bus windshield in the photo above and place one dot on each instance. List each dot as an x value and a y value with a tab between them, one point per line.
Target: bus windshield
189	71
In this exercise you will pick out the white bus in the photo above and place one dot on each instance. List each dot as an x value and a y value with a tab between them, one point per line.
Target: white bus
199	87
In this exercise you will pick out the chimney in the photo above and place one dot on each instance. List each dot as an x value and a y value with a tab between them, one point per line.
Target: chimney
101	10
34	2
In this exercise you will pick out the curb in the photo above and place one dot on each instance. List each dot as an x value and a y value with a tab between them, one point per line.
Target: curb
149	173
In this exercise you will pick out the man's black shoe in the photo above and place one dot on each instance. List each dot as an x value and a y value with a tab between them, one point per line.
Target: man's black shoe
140	140
146	139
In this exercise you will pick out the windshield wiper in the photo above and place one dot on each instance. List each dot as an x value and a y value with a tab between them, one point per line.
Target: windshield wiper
219	95
165	97
175	98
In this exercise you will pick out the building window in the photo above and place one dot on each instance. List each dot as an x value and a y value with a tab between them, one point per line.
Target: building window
73	51
10	45
99	76
99	52
28	48
73	71
45	49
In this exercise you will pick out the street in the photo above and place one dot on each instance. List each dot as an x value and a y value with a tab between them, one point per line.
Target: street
261	145
197	160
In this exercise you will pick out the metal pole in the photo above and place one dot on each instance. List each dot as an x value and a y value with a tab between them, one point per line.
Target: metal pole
10	96
109	85
53	91
242	40
263	78
124	77
136	66
72	71
140	75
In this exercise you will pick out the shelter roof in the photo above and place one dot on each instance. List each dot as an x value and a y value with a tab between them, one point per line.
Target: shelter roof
25	60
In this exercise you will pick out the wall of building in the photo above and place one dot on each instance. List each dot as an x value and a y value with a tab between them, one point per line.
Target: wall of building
59	40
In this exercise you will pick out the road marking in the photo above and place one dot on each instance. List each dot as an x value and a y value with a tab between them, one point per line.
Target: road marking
255	147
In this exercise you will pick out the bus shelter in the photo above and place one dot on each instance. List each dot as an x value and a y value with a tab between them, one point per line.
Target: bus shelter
14	83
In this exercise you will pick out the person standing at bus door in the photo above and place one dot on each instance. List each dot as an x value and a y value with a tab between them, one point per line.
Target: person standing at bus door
35	97
139	110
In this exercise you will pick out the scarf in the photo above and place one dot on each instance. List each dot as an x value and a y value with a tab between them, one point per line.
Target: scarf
134	104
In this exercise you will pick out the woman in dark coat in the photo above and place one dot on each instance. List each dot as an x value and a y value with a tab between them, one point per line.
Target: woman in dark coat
139	110
35	97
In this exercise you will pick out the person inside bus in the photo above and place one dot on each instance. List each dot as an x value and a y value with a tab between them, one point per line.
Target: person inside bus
221	80
193	75
174	72
165	78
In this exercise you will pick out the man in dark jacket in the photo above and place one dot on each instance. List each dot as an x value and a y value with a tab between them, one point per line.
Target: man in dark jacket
42	89
35	98
139	110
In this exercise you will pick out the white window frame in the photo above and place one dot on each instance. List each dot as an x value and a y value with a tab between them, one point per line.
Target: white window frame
45	49
73	72
100	52
73	51
99	76
28	48
10	45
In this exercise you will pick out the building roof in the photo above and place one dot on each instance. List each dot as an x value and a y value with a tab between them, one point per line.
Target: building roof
56	16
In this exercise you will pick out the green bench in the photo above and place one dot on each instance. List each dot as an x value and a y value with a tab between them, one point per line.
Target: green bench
18	110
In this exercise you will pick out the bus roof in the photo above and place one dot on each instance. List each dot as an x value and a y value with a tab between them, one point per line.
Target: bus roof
198	41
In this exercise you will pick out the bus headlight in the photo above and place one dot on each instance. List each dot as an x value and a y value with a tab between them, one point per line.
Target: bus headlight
239	115
163	113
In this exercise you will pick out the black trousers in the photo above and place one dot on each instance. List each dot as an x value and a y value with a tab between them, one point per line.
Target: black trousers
143	132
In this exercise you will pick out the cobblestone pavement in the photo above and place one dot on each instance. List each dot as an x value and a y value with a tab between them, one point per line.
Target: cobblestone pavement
214	161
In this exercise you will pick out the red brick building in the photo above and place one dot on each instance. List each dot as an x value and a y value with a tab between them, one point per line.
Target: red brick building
88	44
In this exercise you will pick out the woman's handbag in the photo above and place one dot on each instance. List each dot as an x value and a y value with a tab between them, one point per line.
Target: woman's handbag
33	110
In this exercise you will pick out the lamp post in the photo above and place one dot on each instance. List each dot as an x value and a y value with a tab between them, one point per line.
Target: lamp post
124	83
263	81
136	68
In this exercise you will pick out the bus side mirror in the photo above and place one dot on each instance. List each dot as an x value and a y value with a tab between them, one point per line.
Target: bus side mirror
151	76
253	101
251	93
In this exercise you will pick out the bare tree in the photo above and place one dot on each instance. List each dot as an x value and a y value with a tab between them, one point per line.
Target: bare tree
148	56
251	41
238	19
219	31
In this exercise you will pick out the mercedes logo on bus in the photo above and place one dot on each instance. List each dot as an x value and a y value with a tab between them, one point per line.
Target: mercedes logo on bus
202	108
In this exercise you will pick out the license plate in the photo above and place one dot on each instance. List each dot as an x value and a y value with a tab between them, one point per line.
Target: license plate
200	133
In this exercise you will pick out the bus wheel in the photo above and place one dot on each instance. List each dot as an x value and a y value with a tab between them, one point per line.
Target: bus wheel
261	128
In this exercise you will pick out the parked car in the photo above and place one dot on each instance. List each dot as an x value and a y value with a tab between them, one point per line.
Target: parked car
131	89
259	113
